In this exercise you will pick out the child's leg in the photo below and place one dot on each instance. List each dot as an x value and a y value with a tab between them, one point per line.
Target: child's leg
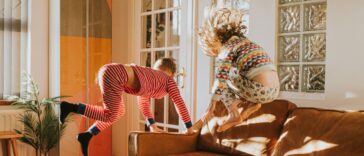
112	79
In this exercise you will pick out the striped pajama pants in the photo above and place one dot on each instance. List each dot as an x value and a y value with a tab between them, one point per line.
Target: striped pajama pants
111	78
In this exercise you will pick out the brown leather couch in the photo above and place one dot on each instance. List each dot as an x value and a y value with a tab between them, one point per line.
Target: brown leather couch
278	128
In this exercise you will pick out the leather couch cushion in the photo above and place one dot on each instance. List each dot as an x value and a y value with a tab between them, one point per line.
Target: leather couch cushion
198	154
310	131
255	136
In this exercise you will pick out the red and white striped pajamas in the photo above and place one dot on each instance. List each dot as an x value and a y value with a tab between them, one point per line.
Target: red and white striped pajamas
153	84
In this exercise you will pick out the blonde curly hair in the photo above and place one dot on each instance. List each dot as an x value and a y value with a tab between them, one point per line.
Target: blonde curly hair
218	27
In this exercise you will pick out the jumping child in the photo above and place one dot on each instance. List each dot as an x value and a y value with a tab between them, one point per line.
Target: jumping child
245	72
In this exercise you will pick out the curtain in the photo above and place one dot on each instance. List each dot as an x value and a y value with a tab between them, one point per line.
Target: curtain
14	45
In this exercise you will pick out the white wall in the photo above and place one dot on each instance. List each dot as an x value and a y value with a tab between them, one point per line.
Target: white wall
203	71
344	76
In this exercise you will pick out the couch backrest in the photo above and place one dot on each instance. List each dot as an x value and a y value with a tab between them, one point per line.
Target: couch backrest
255	136
311	131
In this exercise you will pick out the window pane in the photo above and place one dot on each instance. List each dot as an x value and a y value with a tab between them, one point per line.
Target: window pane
146	31
172	114
145	59
159	110
160	23
289	77
289	48
175	54
172	130
159	4
289	19
314	47
174	28
315	16
174	3
147	5
159	54
313	78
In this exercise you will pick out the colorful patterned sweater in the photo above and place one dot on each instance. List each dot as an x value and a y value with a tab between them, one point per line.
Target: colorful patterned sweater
247	57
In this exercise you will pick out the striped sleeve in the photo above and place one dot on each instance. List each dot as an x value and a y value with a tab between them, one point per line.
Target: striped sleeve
144	107
175	95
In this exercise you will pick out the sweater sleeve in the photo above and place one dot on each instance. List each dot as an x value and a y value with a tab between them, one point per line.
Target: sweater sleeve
220	87
175	95
144	107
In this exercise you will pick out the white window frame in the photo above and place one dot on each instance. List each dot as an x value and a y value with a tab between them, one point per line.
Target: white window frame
190	64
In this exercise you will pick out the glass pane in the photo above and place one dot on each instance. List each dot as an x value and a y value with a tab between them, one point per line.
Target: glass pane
172	130
289	77
172	113
315	16
160	30
159	54
174	28
288	1
146	31
313	78
145	59
159	4
314	47
174	3
159	110
289	19
175	54
147	5
289	48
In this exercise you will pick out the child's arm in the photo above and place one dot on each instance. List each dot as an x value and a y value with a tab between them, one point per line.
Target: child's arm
175	95
144	106
220	87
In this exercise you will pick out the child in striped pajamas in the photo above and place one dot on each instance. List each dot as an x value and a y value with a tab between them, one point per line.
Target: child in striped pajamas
114	79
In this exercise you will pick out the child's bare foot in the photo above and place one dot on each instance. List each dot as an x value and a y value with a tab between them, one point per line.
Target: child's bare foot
249	111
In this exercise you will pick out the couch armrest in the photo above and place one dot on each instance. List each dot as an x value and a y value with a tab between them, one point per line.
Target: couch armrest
144	143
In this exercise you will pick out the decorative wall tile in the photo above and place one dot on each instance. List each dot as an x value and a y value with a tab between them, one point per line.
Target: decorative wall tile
313	78
289	19
289	48
314	47
289	77
315	16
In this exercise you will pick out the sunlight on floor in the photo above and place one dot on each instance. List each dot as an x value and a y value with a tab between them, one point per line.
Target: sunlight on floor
311	146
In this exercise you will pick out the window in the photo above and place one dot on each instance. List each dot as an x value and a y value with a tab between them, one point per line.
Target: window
161	35
13	45
301	45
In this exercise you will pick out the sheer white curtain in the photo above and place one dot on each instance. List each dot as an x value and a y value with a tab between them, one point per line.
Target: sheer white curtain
14	45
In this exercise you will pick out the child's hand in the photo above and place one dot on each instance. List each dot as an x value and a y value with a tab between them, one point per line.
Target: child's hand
207	116
153	128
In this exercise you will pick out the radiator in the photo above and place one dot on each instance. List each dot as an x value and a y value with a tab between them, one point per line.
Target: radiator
9	122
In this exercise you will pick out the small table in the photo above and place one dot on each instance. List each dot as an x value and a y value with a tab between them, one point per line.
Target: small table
10	137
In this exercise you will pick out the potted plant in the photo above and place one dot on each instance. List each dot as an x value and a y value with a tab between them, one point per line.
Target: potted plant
42	129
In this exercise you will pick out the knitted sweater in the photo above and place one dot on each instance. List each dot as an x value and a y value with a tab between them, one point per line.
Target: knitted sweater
249	59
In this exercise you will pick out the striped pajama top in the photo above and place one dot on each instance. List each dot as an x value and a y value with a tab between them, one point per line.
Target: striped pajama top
157	84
